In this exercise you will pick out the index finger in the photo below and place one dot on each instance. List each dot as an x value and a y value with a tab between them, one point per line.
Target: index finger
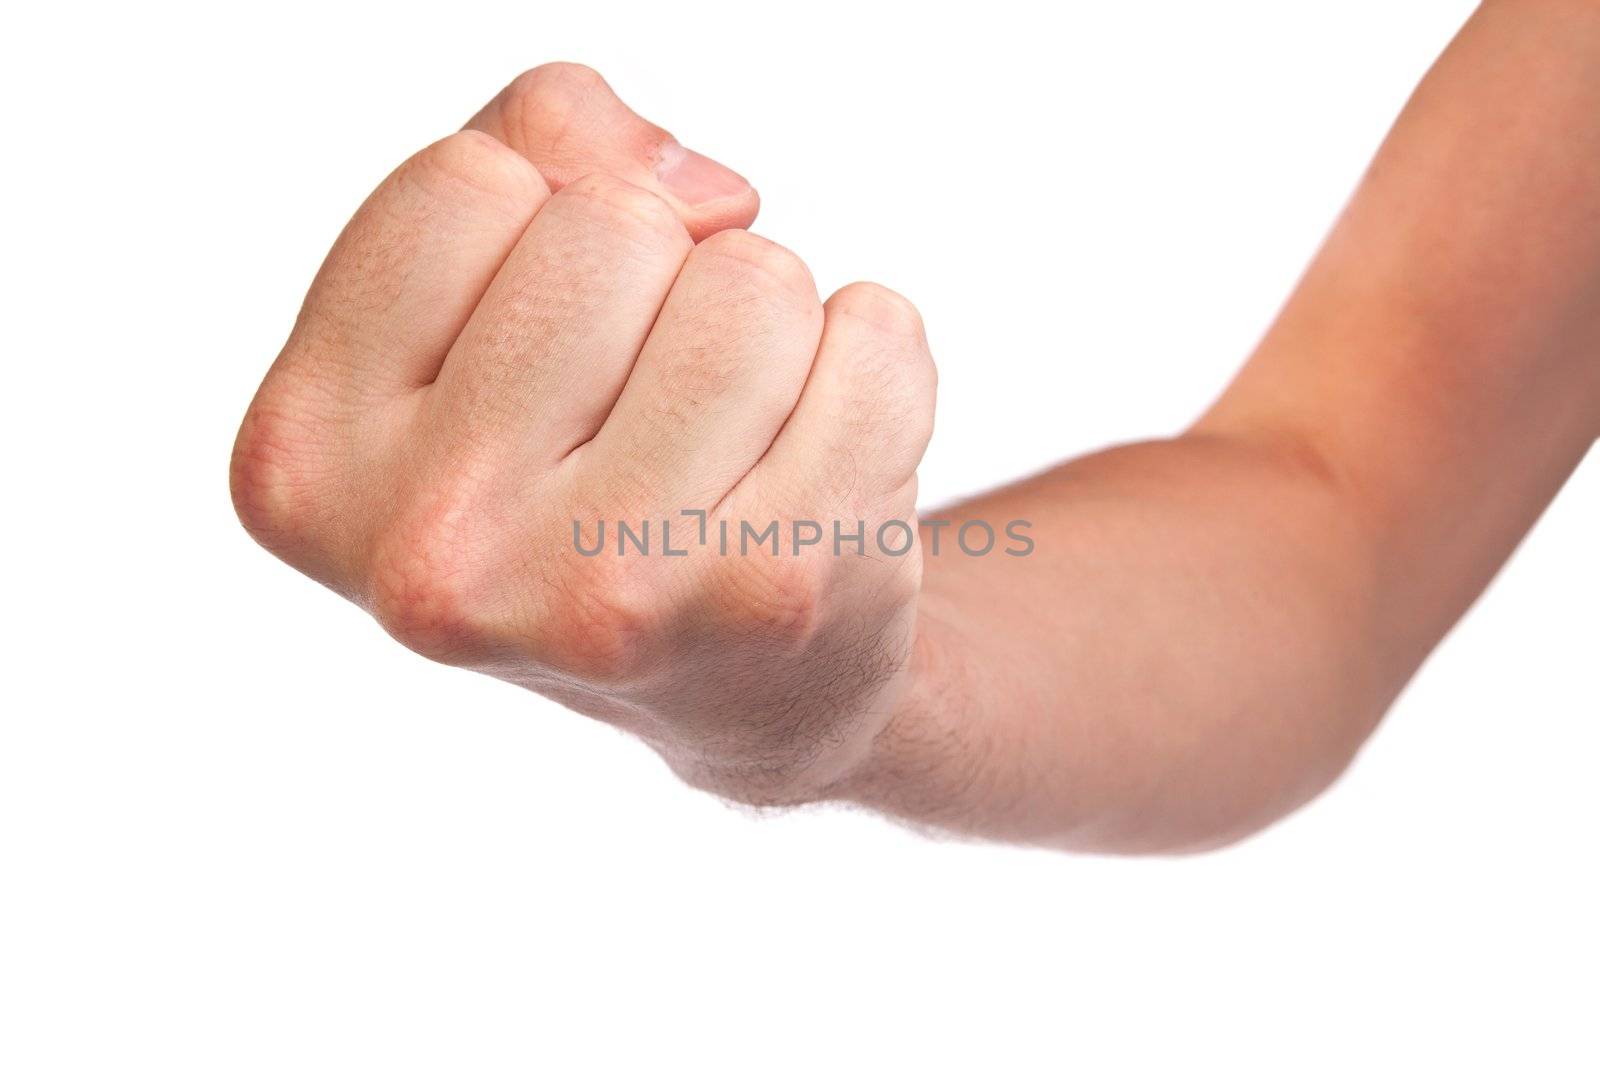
568	122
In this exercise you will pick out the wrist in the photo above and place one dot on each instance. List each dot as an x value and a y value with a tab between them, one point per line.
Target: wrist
801	747
921	763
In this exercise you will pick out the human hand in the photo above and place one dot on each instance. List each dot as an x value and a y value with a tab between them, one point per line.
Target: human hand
484	372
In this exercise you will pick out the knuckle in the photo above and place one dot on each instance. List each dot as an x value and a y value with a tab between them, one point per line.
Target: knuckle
595	623
275	478
769	597
622	207
890	372
556	79
479	162
541	105
759	262
422	588
878	306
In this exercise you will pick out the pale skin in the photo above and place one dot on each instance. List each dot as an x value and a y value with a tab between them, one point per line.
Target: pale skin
558	315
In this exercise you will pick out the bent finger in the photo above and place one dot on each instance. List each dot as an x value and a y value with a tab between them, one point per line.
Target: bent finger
568	122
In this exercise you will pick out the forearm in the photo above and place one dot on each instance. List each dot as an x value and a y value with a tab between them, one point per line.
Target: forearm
1210	626
1182	657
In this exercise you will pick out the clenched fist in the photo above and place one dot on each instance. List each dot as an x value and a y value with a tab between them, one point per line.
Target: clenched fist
548	436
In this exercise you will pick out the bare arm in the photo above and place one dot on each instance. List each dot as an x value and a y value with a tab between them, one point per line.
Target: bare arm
553	320
1209	626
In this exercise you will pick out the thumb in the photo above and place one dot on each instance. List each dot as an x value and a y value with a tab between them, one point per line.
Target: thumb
566	120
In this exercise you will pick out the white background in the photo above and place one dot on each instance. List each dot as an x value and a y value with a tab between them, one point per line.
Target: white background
238	825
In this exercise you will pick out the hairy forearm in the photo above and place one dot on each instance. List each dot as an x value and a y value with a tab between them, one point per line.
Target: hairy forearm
1210	626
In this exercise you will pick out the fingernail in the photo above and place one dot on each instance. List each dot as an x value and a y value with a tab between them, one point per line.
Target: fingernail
693	178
